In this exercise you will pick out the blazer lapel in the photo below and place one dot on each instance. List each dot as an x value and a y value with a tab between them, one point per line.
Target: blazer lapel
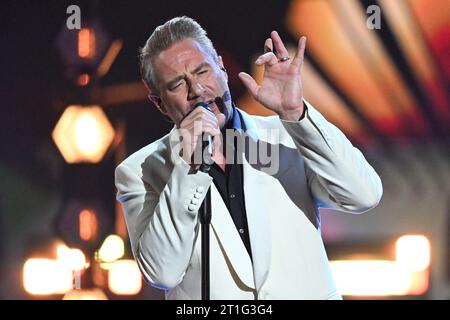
258	222
258	218
228	236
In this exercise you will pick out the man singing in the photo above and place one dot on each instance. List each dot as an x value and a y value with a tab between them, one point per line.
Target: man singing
265	228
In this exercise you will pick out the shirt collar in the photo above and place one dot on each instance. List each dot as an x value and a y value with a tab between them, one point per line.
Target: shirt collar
235	122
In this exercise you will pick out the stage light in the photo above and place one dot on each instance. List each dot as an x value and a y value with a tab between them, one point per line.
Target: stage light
112	249
413	252
124	278
83	134
370	278
83	79
88	224
86	43
46	277
86	294
73	259
373	79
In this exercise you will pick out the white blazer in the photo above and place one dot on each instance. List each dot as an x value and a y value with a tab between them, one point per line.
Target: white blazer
317	167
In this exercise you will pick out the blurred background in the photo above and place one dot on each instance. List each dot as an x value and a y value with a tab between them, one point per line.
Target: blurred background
73	107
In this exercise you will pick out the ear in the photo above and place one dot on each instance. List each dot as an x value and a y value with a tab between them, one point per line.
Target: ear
156	100
221	63
222	66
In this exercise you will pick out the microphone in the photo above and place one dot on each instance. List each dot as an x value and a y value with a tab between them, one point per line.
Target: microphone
207	143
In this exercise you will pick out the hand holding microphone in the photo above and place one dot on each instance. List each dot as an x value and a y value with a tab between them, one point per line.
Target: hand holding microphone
207	143
201	124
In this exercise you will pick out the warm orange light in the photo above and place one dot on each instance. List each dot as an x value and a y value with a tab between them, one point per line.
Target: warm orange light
377	278
409	18
45	277
124	277
72	259
86	294
109	57
372	80
420	282
413	252
407	275
370	278
112	249
84	79
88	225
83	134
86	43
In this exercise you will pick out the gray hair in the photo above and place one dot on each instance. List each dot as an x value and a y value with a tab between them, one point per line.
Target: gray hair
166	35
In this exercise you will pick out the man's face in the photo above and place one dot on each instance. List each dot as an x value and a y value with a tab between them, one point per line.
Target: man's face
187	74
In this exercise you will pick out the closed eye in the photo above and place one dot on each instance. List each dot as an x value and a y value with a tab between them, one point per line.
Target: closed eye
175	86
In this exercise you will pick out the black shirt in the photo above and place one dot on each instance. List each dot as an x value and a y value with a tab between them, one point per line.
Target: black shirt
231	182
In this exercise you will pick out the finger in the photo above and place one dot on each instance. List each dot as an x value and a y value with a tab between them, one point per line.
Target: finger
249	83
220	119
280	49
299	55
203	113
201	127
204	122
209	122
198	114
207	117
187	118
268	45
268	58
194	126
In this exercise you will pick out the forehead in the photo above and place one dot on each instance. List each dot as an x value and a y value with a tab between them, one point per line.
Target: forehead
181	56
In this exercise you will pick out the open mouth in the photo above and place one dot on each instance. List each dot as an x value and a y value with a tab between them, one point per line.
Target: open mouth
212	105
217	103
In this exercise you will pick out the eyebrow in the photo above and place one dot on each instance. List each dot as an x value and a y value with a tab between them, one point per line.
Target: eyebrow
178	78
201	66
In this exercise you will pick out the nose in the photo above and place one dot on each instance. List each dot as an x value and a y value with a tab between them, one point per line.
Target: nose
196	90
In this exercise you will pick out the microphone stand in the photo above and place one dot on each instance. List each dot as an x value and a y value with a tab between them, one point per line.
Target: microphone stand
205	209
205	221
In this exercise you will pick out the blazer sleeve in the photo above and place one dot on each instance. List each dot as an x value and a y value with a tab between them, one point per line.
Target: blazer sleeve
339	176
162	227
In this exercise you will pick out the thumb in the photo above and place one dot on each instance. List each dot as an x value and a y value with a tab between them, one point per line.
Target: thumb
249	83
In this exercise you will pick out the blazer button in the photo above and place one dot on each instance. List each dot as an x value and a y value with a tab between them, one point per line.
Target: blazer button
197	195
191	207
200	189
194	201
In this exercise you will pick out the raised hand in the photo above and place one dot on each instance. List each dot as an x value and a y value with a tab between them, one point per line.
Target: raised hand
281	89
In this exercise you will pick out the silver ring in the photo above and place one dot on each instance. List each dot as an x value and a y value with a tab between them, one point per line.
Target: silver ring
284	59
